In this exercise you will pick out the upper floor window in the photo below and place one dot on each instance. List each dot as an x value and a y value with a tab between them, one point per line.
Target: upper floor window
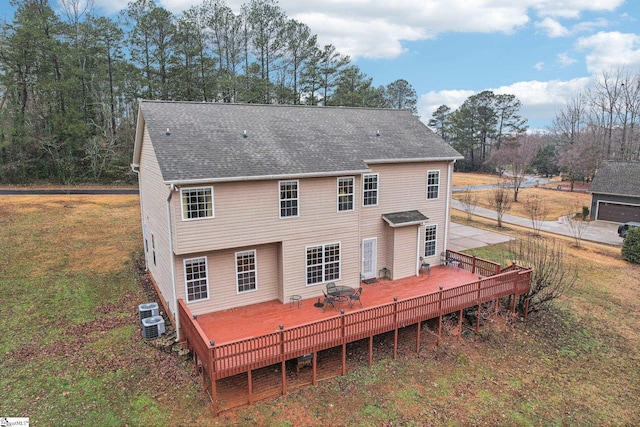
246	271
433	184
345	194
370	189
288	198
197	203
323	263
195	277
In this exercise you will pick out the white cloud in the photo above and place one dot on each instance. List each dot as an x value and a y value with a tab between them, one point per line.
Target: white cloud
610	50
539	66
573	8
540	100
552	28
378	29
565	60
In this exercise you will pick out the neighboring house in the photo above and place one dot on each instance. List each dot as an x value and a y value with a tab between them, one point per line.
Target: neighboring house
615	192
245	203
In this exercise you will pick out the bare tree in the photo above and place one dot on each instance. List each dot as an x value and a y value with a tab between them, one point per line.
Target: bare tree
552	274
500	200
576	226
469	201
517	155
537	210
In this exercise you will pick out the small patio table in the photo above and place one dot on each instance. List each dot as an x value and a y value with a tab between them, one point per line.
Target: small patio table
342	293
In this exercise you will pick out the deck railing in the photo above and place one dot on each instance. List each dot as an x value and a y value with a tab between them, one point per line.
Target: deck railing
240	356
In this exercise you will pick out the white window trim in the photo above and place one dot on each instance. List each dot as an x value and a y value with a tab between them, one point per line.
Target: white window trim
427	193
280	199
377	175
324	280
186	283
424	242
255	270
213	212
353	193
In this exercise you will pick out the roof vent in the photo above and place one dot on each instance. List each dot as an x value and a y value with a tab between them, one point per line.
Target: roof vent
168	132
244	134
377	133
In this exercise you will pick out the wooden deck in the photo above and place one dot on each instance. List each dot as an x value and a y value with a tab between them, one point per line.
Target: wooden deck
249	338
264	318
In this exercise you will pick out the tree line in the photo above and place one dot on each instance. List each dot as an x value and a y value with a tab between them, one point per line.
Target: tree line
70	80
601	123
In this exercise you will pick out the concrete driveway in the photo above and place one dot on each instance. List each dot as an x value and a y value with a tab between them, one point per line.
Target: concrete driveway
464	237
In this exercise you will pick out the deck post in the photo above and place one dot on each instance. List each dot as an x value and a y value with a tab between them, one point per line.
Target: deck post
250	386
314	365
440	317
395	324
460	322
478	318
495	308
473	265
283	363
212	377
344	344
526	308
418	337
370	350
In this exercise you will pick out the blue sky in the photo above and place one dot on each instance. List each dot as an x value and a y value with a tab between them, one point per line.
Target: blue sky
542	51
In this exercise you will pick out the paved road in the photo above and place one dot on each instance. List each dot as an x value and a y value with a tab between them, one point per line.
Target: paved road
597	231
29	192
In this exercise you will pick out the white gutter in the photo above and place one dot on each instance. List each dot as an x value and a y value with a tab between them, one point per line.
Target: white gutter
448	208
266	177
172	259
418	264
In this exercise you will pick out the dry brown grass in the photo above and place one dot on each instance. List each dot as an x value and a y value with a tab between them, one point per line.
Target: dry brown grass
466	179
559	203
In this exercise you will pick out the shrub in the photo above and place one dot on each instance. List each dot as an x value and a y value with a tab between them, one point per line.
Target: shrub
585	213
631	246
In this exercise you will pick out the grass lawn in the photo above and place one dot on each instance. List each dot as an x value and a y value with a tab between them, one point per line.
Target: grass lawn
72	351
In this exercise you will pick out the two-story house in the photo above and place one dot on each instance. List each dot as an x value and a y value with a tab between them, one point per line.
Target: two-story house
245	203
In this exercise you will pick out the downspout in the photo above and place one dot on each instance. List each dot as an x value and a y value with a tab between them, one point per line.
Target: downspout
418	250
172	258
447	217
135	168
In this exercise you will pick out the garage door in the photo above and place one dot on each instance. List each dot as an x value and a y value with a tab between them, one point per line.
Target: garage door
618	213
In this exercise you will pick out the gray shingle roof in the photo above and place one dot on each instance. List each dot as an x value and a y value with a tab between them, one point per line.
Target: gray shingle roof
619	178
206	140
402	219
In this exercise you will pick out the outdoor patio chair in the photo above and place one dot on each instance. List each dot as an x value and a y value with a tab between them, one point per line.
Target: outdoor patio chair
330	286
328	301
355	297
425	265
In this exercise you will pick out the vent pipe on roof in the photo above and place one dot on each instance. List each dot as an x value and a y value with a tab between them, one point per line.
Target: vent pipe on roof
244	134
377	133
168	132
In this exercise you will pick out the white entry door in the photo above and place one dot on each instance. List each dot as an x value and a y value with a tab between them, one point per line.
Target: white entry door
369	256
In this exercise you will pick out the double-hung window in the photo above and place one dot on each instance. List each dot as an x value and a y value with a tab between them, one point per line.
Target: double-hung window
345	194
323	263
195	277
288	199
370	189
430	240
197	203
433	184
246	271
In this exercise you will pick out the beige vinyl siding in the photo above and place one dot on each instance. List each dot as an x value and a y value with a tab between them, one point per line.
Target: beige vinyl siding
221	276
247	213
404	251
153	195
403	187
